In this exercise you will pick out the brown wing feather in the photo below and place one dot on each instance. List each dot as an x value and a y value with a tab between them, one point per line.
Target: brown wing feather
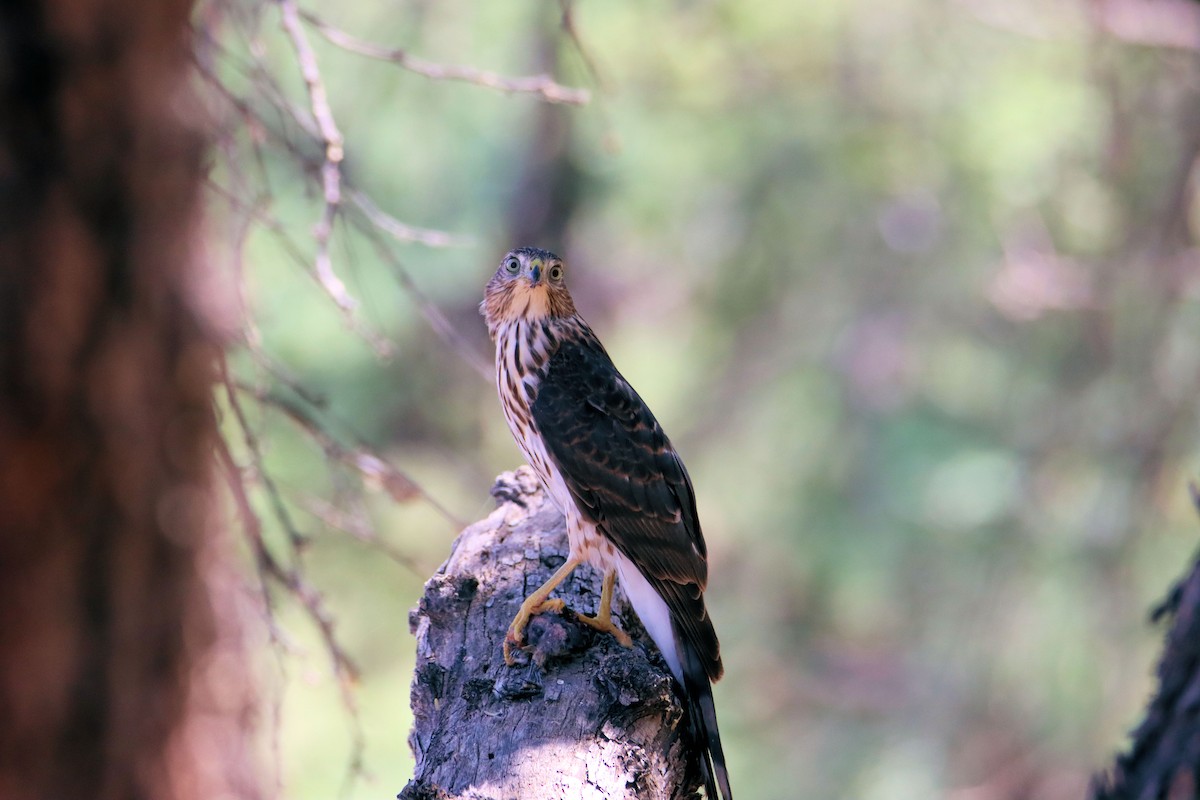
625	475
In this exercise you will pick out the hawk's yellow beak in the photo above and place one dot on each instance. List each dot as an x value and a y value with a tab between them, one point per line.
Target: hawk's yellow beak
535	272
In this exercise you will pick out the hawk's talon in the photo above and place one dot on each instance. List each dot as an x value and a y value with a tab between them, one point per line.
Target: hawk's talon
540	602
604	624
536	603
555	605
515	638
516	631
509	643
603	619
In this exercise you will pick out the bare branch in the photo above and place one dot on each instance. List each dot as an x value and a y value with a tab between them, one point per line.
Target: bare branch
542	85
399	230
433	315
323	266
295	538
358	525
374	469
331	170
312	79
253	530
378	342
282	374
381	221
269	567
251	526
345	670
378	218
589	63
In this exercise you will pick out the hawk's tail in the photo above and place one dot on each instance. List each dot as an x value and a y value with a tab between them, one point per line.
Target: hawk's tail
674	616
702	722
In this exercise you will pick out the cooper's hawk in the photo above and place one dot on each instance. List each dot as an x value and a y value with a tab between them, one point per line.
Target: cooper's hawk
608	466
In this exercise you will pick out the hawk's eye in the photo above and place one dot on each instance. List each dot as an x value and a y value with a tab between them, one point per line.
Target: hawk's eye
512	266
556	272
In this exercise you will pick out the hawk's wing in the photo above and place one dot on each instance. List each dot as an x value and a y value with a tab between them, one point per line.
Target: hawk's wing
624	474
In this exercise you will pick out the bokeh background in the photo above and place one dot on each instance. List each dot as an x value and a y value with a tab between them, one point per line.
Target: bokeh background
911	284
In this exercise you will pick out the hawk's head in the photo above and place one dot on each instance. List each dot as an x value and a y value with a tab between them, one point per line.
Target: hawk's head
529	284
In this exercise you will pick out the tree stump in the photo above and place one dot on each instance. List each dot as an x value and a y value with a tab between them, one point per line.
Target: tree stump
582	718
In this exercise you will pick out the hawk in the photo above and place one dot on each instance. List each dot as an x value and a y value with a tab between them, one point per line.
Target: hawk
607	465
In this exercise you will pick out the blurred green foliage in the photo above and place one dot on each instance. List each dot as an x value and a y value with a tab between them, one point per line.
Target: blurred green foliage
912	285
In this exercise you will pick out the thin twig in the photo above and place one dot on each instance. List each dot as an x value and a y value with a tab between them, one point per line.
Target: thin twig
374	469
253	530
289	577
258	78
589	63
345	670
401	231
359	526
243	222
542	85
380	220
318	99
331	170
433	315
282	374
270	567
295	538
251	526
378	342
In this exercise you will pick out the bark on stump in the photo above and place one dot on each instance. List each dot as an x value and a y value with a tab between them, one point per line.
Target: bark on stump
584	718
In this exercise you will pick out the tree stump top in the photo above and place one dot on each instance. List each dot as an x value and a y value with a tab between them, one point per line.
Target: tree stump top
583	718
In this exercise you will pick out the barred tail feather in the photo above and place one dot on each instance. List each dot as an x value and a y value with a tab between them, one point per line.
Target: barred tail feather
702	722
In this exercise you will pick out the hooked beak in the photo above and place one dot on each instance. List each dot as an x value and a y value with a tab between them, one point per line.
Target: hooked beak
535	273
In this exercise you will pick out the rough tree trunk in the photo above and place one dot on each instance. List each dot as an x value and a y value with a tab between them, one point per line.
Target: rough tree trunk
1163	762
584	718
117	679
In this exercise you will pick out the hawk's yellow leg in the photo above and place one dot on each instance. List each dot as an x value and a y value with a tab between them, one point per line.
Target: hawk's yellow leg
603	619
540	601
535	604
